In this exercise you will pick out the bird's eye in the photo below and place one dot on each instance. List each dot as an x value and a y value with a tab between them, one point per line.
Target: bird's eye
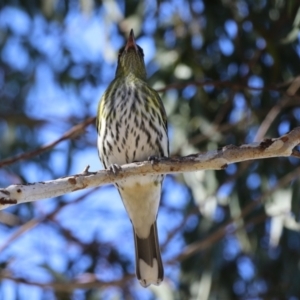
121	51
141	51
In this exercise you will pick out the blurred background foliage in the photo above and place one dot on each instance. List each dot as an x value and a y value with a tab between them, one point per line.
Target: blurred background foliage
228	73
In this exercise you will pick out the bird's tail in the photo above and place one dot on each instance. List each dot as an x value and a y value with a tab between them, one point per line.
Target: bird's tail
149	267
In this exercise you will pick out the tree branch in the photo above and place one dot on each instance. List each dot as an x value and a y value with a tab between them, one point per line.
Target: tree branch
212	160
85	283
227	84
72	133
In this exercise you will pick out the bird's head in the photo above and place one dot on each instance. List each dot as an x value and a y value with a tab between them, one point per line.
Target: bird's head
131	59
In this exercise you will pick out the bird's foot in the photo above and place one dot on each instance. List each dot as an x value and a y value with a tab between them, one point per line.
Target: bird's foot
156	159
115	168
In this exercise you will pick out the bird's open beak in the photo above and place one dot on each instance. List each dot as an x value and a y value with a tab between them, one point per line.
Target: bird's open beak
131	42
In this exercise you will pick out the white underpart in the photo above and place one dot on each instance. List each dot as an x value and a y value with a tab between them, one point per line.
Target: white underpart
149	274
141	199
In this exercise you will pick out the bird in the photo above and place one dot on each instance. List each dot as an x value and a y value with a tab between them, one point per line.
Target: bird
132	126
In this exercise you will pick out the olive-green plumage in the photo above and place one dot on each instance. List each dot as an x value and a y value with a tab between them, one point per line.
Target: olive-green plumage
132	126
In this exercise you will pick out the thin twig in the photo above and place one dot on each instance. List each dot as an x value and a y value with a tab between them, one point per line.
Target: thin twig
72	133
270	117
68	286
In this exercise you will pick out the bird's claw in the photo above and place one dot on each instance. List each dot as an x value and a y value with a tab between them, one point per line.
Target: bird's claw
115	168
156	159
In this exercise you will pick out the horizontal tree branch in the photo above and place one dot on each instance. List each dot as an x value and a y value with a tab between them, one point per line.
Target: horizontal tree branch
211	160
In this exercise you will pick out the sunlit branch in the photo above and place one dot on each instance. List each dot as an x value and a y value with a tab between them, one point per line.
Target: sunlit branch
212	160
